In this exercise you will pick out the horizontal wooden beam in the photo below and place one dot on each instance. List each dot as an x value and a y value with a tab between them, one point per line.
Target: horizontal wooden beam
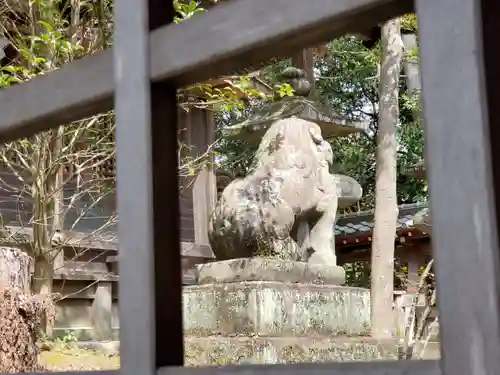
98	271
228	37
254	31
82	240
366	237
78	90
420	367
22	235
85	271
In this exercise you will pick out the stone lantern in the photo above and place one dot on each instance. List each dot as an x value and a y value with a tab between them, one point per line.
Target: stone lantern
422	219
303	107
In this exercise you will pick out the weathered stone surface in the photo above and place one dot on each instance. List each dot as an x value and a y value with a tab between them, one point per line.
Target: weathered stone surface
349	191
258	350
268	308
268	269
286	207
203	351
422	220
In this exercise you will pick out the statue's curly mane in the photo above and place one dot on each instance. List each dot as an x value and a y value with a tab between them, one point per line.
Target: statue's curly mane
289	143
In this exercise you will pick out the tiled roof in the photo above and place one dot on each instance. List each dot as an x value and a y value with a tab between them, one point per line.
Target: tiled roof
354	224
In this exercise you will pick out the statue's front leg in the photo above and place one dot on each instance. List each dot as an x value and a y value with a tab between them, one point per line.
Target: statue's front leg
303	234
322	236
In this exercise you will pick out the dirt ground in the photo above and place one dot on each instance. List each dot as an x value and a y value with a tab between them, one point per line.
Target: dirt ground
78	360
74	359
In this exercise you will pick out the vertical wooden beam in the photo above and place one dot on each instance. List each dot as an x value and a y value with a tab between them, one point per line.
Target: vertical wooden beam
414	259
169	335
101	311
185	181
411	65
460	80
412	69
204	185
211	178
133	137
305	60
150	265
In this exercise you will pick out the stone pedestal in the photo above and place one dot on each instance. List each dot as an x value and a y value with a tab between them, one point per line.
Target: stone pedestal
268	308
278	322
272	311
281	350
269	269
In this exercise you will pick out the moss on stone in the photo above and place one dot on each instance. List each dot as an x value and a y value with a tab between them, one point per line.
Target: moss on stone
258	350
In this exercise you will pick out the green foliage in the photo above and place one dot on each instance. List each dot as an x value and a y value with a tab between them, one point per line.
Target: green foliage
67	341
284	89
358	274
413	54
409	22
346	81
234	156
45	163
237	91
349	83
186	9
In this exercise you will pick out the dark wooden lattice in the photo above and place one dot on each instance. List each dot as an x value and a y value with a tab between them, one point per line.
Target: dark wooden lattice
460	74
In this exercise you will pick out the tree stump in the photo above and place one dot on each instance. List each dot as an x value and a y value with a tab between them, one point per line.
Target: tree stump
15	269
20	313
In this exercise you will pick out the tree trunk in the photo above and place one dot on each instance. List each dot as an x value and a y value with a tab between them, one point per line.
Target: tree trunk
58	199
42	285
20	314
386	209
47	196
14	269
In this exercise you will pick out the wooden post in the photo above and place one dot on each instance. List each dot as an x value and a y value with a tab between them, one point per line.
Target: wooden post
414	262
102	311
204	186
304	60
411	67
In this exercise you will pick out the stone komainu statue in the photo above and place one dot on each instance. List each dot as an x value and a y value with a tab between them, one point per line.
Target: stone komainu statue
287	206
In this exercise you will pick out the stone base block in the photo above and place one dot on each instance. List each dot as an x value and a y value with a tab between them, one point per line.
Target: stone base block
267	308
256	350
268	269
205	351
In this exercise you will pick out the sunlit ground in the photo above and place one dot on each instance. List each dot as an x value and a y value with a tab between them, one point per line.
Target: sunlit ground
75	359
